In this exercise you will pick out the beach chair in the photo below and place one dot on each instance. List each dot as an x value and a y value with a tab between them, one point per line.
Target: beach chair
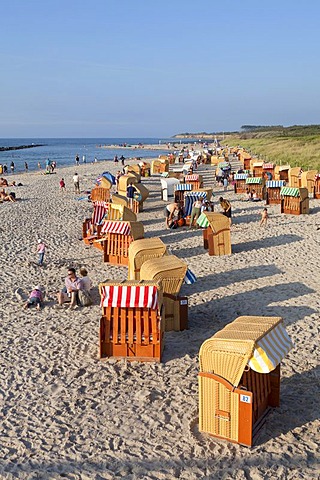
116	237
179	189
268	171
239	377
257	169
142	193
120	212
294	201
170	271
131	325
91	227
159	166
317	186
100	194
257	184
195	180
145	169
295	177
142	250
168	187
308	181
273	188
240	182
216	233
281	172
189	199
245	159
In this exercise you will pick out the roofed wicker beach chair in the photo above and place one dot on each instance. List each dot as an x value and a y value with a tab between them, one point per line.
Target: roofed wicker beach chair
100	194
317	186
294	201
216	233
131	325
282	172
116	237
308	181
91	227
295	177
273	188
170	271
258	185
239	377
142	250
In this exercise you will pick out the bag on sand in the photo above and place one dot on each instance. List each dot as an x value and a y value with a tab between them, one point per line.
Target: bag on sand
85	298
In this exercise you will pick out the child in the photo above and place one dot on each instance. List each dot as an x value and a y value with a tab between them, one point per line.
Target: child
41	248
62	185
264	217
35	298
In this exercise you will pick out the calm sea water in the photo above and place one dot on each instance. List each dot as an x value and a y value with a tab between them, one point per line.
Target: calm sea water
64	150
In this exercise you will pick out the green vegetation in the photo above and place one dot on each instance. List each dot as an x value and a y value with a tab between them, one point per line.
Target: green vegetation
298	145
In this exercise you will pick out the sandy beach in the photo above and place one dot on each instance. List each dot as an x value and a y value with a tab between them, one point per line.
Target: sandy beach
65	414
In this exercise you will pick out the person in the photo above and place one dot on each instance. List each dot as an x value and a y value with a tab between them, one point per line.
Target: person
264	217
86	281
26	166
76	183
3	182
195	212
70	291
225	184
116	159
77	159
48	165
41	248
35	298
118	175
12	166
4	196
170	212
62	185
84	160
122	160
255	197
248	195
53	166
39	165
5	168
131	189
226	206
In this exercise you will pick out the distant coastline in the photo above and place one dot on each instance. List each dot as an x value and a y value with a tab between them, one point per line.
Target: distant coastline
21	147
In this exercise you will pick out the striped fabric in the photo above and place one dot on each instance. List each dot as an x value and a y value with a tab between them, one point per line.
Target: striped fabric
275	183
241	176
183	187
190	198
224	165
129	296
114	226
99	210
268	166
253	180
190	277
290	191
270	350
203	221
191	178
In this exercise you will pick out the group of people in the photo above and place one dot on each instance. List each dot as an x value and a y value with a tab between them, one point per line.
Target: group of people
76	290
76	184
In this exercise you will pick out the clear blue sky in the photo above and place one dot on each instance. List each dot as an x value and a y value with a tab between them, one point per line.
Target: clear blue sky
143	68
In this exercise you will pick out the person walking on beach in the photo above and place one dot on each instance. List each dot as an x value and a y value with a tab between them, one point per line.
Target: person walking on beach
84	160
12	167
77	159
226	207
264	217
62	185
122	160
39	165
76	183
116	159
225	184
26	167
41	248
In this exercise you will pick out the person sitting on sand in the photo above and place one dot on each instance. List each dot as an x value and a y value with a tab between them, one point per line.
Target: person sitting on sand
35	298
86	281
4	196
70	291
3	182
255	197
169	212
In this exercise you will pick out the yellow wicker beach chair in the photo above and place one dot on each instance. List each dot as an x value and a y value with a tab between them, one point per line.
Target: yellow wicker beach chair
239	377
170	271
100	194
295	177
216	236
142	250
282	172
131	325
308	180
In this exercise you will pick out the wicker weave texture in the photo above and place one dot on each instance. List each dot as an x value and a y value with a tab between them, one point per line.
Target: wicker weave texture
169	269
142	250
100	194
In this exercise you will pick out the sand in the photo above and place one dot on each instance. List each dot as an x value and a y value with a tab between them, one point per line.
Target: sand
65	414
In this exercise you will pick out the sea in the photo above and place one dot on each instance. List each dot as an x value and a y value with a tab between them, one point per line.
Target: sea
64	150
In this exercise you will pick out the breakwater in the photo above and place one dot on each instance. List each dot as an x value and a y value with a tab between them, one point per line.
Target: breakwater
21	147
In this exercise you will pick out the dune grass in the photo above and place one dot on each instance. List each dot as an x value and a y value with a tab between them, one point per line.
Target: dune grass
297	151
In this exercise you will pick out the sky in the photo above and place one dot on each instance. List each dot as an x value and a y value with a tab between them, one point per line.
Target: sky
155	68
